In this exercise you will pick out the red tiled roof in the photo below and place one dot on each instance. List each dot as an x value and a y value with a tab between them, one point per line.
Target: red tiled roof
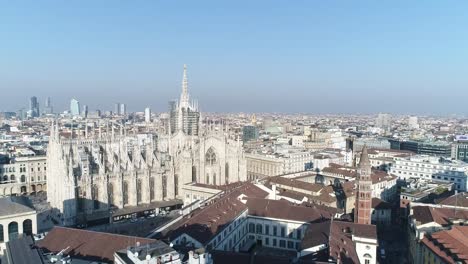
342	246
296	184
450	245
442	216
281	209
460	199
88	244
204	223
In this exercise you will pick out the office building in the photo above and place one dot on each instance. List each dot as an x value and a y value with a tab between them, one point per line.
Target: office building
433	148
75	107
33	107
413	122
383	121
431	168
147	115
123	109
48	109
84	112
460	148
117	109
249	133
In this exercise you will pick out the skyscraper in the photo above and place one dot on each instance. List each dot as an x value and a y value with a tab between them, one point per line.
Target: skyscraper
123	109
147	115
84	112
75	107
383	121
413	122
33	107
184	115
117	109
48	106
362	210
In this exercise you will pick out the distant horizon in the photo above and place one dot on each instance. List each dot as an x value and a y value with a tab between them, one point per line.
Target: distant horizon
397	57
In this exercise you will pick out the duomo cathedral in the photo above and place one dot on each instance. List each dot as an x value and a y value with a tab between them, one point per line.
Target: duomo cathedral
115	168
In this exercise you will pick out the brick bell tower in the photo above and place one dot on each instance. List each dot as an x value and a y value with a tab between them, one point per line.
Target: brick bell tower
362	210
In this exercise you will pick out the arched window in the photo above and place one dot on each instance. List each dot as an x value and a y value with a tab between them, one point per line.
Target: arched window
164	186
95	197
23	178
12	178
1	234
226	173
210	157
194	174
125	193
27	227
12	231
139	191
110	192
176	184
5	178
214	178
207	178
151	188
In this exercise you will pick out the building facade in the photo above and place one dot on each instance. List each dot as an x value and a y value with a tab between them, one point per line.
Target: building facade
23	175
115	168
432	168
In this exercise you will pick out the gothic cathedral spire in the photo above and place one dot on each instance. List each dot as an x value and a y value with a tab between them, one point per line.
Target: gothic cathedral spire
184	97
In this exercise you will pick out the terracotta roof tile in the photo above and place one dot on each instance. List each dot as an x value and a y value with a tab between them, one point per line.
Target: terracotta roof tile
87	244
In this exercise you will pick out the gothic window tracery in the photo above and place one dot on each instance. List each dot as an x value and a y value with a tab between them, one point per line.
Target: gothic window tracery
210	157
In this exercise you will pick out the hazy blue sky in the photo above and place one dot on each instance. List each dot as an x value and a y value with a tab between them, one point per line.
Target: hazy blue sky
253	56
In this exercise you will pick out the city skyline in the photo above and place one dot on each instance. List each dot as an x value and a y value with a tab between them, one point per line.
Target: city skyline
306	58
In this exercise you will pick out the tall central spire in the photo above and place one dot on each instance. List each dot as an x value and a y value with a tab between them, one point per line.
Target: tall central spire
184	97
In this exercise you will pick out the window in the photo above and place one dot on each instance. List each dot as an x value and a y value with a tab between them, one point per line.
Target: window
110	193
125	193
210	157
267	241
138	191
267	229
298	233
95	195
27	227
290	244
1	233
251	228
274	242
282	243
259	229
283	232
275	233
12	231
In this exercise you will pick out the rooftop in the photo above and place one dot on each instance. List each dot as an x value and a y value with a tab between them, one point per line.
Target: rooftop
15	205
